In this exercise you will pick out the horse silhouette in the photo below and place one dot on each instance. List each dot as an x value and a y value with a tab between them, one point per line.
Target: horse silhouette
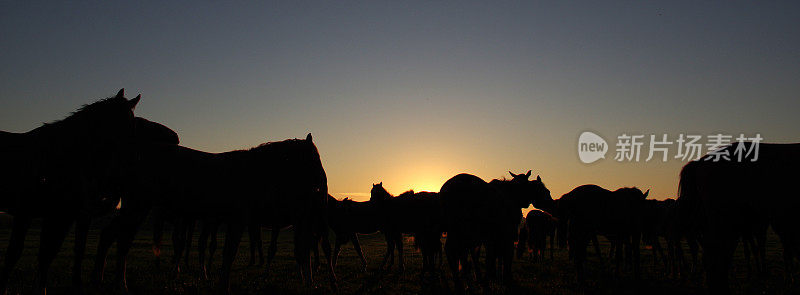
539	225
413	213
236	187
714	195
655	222
64	172
349	218
477	213
589	210
278	220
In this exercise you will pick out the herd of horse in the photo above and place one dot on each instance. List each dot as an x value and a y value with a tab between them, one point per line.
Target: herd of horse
103	158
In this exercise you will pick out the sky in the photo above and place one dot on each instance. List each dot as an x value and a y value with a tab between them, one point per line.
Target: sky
412	93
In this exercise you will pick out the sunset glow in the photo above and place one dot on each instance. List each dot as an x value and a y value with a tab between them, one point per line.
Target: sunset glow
421	95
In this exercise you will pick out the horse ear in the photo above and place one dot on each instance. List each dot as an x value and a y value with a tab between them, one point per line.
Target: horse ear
512	174
132	103
121	93
528	174
646	193
539	179
308	137
380	183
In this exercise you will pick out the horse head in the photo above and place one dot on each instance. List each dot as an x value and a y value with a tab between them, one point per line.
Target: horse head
110	118
520	177
530	191
147	131
378	193
541	195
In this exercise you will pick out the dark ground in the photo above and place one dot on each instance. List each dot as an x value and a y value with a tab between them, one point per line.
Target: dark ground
548	277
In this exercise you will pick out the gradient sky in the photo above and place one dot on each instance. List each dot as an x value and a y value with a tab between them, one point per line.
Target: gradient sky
412	93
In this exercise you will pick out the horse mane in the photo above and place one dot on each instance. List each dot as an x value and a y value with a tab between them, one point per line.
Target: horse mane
275	145
501	179
87	109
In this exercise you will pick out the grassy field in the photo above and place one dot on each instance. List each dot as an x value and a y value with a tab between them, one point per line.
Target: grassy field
548	277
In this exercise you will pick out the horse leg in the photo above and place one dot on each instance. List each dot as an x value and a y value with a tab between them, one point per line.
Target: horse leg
259	246
580	258
178	240
399	242
108	235
303	238
326	249
389	256
189	235
21	224
337	248
660	251
54	230
612	249
232	239
212	244
596	244
491	260
158	233
258	243
254	235
635	242
619	258
694	250
531	248
455	254
578	241
475	266
202	245
273	247
747	248
761	246
679	263
315	250
719	243
508	256
81	233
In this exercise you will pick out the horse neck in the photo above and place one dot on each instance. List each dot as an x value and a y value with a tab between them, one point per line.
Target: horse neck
384	195
547	208
65	133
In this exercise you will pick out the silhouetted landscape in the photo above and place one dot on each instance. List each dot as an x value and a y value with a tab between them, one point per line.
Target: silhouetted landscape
399	147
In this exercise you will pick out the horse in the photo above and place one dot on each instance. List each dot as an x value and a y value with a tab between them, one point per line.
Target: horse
654	226
661	220
234	186
719	188
590	210
276	220
63	172
476	213
539	225
349	218
522	242
410	213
